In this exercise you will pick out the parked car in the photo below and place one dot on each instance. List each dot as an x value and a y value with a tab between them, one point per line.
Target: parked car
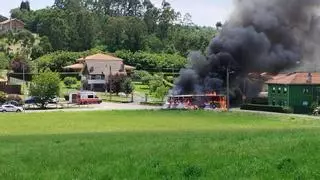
30	100
54	100
316	111
84	97
15	103
10	108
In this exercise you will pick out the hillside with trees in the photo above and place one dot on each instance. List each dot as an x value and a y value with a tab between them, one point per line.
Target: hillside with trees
156	40
112	25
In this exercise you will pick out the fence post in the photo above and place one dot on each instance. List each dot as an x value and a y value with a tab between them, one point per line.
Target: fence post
146	97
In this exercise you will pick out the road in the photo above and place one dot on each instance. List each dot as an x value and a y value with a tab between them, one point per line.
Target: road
100	107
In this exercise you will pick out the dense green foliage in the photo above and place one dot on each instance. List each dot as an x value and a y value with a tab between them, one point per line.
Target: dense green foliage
69	81
161	92
153	62
3	97
127	86
57	60
4	61
45	87
116	83
158	145
20	64
128	24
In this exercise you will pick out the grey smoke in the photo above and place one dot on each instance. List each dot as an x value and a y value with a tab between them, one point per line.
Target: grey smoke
260	36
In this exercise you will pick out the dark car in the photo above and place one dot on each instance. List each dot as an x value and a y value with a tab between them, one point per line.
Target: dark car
30	100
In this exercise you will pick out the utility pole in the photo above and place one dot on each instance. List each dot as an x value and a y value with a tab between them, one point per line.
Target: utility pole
110	77
228	93
23	73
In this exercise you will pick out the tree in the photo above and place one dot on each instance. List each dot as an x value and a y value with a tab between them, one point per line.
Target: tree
69	81
45	87
166	19
219	25
161	92
3	97
115	83
19	64
44	47
25	5
154	83
4	61
127	86
187	20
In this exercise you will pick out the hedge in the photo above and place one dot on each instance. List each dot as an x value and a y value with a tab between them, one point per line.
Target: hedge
266	108
55	61
152	103
258	100
161	62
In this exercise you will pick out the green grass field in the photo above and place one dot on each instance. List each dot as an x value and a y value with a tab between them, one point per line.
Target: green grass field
158	145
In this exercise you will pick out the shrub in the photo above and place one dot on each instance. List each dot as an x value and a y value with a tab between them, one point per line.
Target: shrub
3	97
161	92
154	83
69	81
116	82
288	110
259	100
152	61
255	107
127	86
140	75
170	79
146	80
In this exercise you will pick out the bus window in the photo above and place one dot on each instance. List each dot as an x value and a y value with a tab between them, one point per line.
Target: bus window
90	96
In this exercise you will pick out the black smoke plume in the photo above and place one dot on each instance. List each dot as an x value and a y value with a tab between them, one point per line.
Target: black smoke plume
260	36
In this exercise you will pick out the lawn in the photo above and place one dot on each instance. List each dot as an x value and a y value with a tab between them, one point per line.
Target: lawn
158	145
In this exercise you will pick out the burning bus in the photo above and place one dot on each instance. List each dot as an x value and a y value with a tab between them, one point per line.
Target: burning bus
194	102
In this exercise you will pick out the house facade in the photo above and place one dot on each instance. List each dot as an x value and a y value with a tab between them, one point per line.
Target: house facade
3	18
11	25
295	90
96	69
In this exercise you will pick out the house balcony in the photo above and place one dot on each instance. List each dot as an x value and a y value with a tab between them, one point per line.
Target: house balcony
96	81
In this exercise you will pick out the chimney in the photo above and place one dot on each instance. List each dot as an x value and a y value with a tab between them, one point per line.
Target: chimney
309	78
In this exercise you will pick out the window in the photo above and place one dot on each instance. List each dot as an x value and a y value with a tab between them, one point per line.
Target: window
90	96
305	103
274	90
279	90
285	90
285	103
98	77
273	102
306	90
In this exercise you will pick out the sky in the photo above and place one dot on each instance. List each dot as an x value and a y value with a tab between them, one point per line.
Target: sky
203	12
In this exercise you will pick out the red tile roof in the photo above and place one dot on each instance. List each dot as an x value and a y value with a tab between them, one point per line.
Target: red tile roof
295	78
104	57
10	20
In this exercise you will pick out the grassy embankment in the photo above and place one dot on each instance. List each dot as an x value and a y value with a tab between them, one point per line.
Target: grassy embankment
158	145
